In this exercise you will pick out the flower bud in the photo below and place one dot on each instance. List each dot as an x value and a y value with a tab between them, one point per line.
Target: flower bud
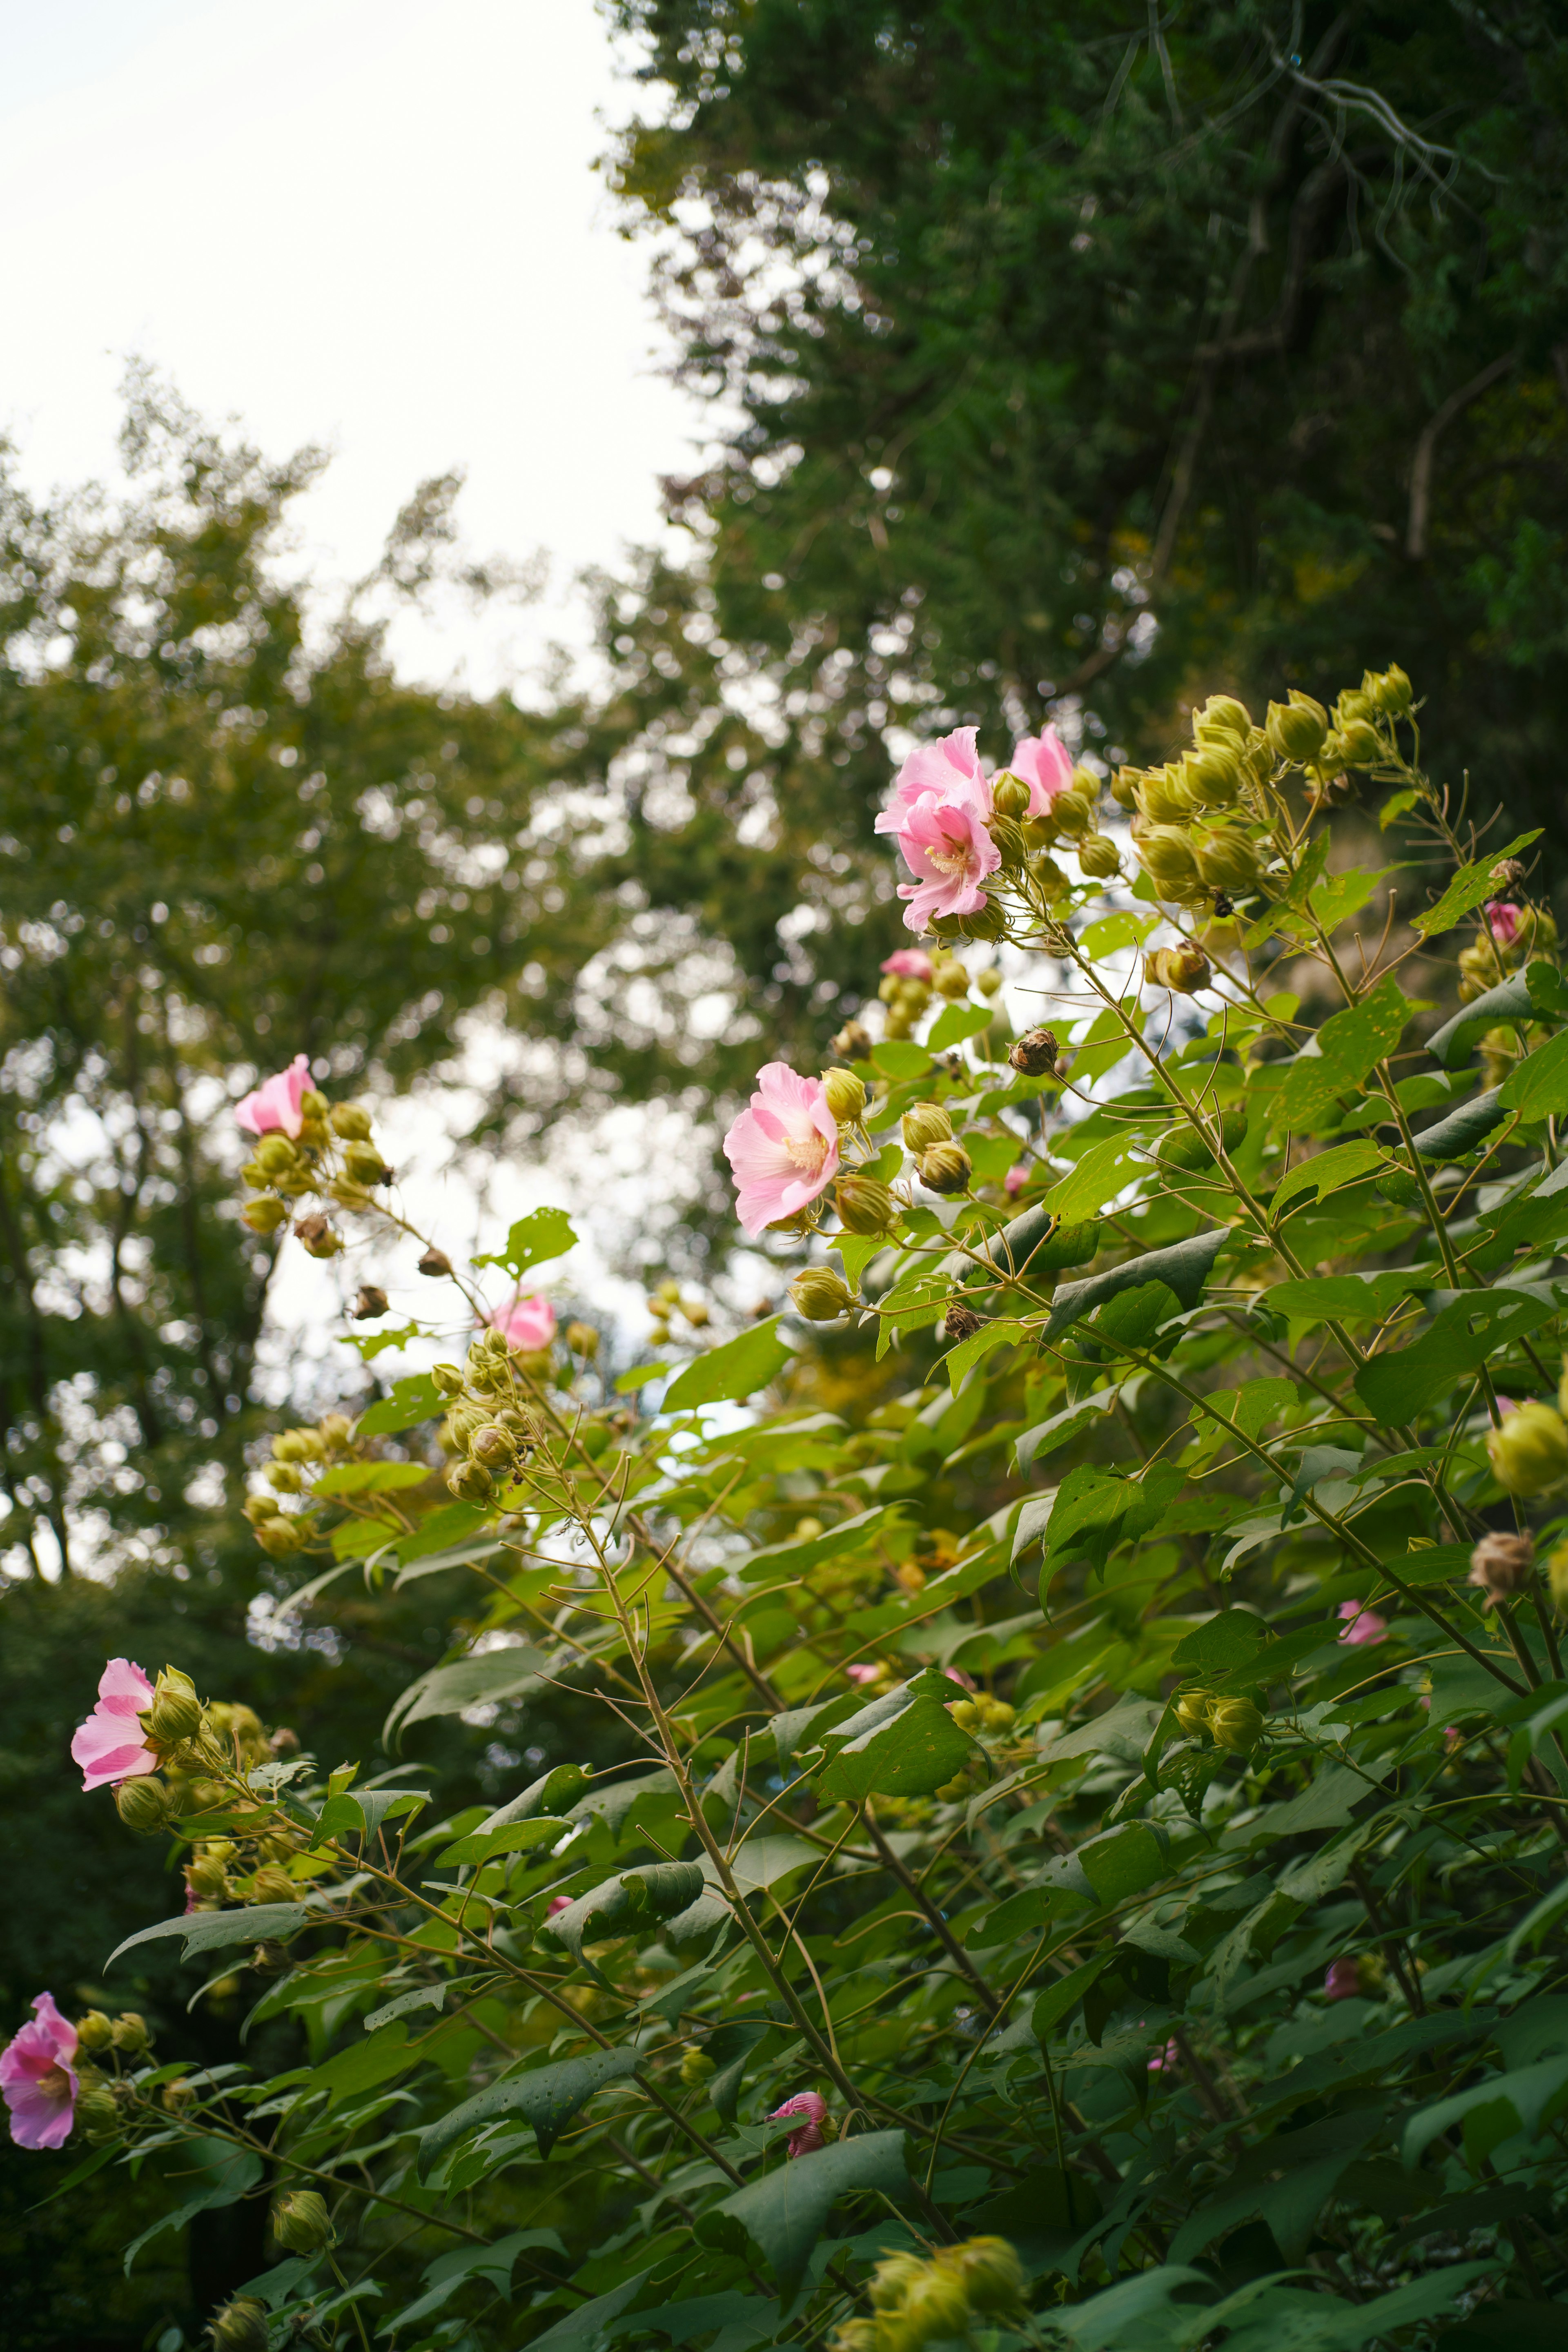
951	978
1529	1452
447	1378
318	1236
1097	853
845	1095
1193	1713
696	2066
1390	689
1508	872
129	2034
853	1041
1183	969
1502	1565
98	2112
582	1340
911	996
275	1154
1165	796
470	1482
1124	786
349	1121
1222	715
350	1195
239	2327
300	2222
924	1124
1035	1053
991	2271
863	1205
143	1804
1072	811
272	1885
1296	729
935	2306
820	1294
1354	704
1212	774
175	1713
945	1168
365	1165
1010	842
1010	794
370	1303
1358	744
891	2280
94	2032
493	1445
1167	858
435	1264
960	1322
1557	1574
1049	880
207	1878
298	1446
1227	860
282	1538
1236	1725
265	1216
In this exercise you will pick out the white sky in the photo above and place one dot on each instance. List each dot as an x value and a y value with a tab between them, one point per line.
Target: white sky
371	225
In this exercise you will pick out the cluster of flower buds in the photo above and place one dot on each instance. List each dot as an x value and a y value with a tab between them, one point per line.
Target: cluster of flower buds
1529	1449
666	1301
1199	822
920	2299
1023	840
490	1425
241	1869
1235	1724
943	1165
297	1455
306	1146
982	1714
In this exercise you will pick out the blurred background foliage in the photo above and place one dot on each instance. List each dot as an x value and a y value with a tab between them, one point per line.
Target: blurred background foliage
1064	362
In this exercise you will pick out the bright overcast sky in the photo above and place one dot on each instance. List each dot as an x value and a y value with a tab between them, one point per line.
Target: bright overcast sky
368	223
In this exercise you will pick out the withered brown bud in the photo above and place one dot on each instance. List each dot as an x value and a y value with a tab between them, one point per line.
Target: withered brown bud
1035	1053
960	1322
435	1262
1507	870
370	1303
853	1043
1502	1565
318	1236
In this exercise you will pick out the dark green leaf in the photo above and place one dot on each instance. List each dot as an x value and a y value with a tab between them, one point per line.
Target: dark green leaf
1349	1044
468	1681
1185	1267
547	2098
1463	1129
1511	1002
736	1369
210	1931
655	1890
1537	1087
1417	1374
785	2213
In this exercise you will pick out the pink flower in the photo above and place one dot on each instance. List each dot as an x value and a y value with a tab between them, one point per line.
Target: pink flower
948	769
1343	1981
276	1103
957	1674
945	843
814	2107
1362	1625
909	963
527	1325
1506	920
1017	1177
1044	765
863	1673
38	2080
111	1746
784	1149
558	1903
1163	2059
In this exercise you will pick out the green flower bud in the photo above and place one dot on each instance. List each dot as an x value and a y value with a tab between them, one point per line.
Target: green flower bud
1072	811
1168	860
1557	1574
1165	797
988	922
1354	703
449	1379
1183	969
1098	857
1010	795
239	2327
1236	1725
951	978
820	1294
935	2306
143	1804
1124	786
1358	744
1212	774
299	1446
992	2274
1222	715
98	2112
492	1444
1193	1713
349	1121
924	1124
696	2066
945	1168
912	996
275	1153
1529	1452
273	1885
175	1713
94	2032
1296	729
282	1538
582	1340
350	1195
1010	842
1390	690
265	1216
364	1164
300	2222
129	2034
1227	860
845	1094
470	1482
863	1205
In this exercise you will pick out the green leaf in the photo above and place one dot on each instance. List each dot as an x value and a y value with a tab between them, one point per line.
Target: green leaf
469	1682
1396	805
209	1931
1105	1170
1113	931
781	1563
1229	1639
1047	1435
1524	2100
1184	1268
1511	1002
1340	896
413	1400
372	1477
899	1057
1463	1129
226	2174
1470	887
905	1744
584	2330
1123	1862
1418	1373
1349	1044
512	1837
960	1362
544	1233
655	1890
1345	1297
1060	1999
490	2264
639	1377
954	1023
1330	1172
736	1369
379	2058
731	2047
1538	1086
546	2098
785	2213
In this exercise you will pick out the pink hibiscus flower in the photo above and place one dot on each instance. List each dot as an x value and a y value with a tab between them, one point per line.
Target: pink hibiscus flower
1044	765
814	2107
948	769
276	1103
1164	2060
784	1149
1362	1625
1505	920
527	1325
1017	1177
111	1746
946	845
863	1673
908	964
1343	1981
37	2079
